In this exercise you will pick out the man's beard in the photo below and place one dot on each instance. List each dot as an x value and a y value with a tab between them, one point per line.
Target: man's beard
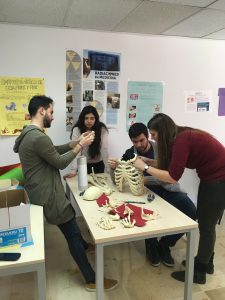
143	150
46	122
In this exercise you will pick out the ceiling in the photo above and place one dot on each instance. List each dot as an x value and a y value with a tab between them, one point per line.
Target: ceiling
187	18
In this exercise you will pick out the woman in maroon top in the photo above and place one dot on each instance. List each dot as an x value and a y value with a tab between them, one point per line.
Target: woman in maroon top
185	147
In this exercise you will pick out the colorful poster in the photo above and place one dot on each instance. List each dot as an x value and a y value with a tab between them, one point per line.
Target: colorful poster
15	93
101	74
221	109
198	101
144	100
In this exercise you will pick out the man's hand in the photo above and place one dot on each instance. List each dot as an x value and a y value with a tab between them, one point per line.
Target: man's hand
81	138
87	138
113	163
69	175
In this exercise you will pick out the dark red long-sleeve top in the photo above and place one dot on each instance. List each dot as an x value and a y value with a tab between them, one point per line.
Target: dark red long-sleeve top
200	151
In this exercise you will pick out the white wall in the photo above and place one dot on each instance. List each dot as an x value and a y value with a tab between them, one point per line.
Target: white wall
181	63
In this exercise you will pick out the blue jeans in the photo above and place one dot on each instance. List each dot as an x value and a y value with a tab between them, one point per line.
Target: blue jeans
77	246
179	200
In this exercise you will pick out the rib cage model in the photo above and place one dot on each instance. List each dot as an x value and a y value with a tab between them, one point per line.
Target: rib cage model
125	171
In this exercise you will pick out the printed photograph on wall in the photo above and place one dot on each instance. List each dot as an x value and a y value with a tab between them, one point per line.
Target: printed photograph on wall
88	95
113	101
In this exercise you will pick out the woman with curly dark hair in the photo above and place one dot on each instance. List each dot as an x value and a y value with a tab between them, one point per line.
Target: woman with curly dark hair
97	152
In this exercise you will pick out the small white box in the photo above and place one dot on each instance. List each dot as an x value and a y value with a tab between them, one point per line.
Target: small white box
14	218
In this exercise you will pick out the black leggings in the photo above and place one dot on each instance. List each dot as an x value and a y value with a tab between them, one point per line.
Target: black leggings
210	207
99	167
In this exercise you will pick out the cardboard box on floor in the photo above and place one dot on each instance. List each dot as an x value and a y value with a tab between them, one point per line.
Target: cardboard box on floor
14	218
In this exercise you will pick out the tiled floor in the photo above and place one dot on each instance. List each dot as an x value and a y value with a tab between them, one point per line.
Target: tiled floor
125	262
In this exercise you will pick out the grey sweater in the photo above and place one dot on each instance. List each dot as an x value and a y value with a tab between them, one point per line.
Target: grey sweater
41	161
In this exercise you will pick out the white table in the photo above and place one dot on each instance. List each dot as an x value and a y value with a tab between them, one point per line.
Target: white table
32	257
170	221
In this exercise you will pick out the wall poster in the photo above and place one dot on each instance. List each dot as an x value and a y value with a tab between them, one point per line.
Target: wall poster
101	74
92	80
73	87
221	108
198	101
144	100
15	93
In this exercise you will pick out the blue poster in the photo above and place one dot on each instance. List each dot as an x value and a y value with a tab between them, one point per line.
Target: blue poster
144	100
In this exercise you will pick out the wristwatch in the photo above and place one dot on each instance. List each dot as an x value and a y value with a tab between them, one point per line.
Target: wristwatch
146	168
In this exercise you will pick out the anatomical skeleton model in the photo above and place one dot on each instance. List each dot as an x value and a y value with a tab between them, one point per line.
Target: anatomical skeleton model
149	217
125	171
127	223
105	223
100	180
112	203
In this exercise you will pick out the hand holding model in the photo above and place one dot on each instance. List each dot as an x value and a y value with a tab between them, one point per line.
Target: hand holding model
113	163
139	164
85	139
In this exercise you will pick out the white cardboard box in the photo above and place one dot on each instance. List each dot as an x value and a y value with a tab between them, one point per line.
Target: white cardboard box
14	217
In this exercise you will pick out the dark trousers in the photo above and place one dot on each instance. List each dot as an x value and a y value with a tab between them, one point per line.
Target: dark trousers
98	167
179	200
210	207
77	246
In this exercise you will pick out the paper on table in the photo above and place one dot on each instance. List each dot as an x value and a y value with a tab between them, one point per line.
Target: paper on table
16	247
10	248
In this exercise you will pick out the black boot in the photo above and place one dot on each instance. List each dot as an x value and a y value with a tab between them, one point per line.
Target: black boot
199	274
209	266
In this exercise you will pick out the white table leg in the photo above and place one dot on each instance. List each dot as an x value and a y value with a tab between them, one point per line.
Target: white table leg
190	249
99	274
41	278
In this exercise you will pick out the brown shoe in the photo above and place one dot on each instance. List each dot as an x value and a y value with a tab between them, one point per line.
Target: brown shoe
109	284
